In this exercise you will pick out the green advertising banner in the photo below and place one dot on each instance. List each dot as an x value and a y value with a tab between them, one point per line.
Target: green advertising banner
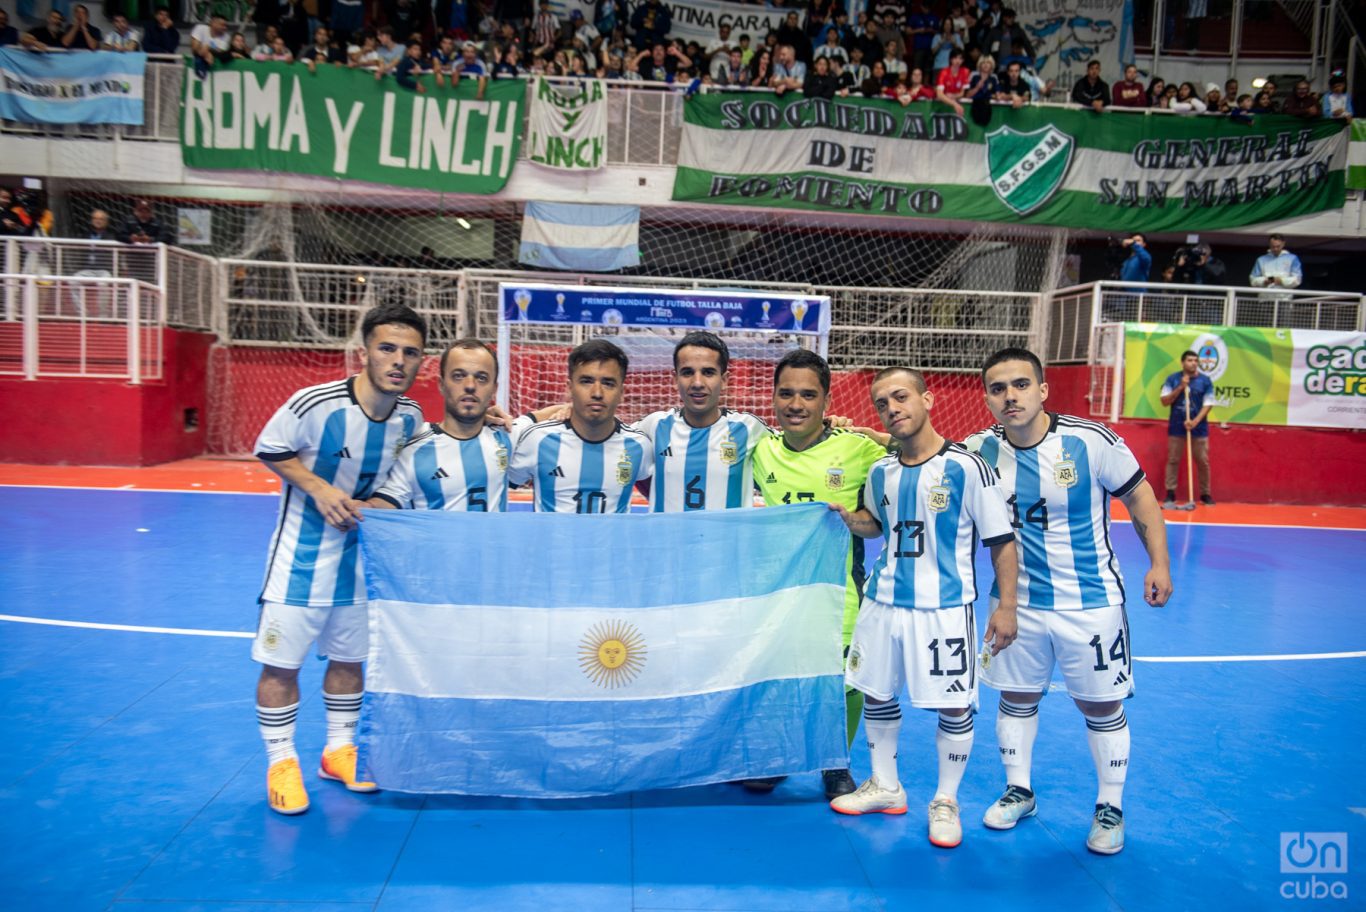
1048	166
341	123
1300	377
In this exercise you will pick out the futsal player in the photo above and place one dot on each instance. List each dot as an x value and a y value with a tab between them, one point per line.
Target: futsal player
330	444
808	461
933	501
460	464
1059	473
589	462
701	450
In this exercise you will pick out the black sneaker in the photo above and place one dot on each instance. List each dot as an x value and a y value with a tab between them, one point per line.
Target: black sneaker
1207	500
837	782
762	786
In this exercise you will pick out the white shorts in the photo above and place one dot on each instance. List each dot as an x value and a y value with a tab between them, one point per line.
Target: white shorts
1090	646
285	633
932	652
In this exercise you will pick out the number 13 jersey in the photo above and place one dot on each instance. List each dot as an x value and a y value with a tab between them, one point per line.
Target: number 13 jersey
1058	493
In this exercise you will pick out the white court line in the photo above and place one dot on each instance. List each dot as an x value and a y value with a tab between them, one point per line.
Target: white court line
239	634
1287	657
131	628
125	489
1230	525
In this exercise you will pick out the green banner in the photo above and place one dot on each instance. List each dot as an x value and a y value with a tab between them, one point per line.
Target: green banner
1080	169
341	123
1356	157
1261	376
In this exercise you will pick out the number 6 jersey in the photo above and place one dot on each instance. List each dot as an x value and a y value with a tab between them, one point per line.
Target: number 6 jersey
1058	492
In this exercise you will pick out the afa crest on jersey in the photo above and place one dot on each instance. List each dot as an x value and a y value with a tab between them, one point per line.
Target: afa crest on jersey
501	454
939	498
624	469
834	478
398	446
728	451
1065	473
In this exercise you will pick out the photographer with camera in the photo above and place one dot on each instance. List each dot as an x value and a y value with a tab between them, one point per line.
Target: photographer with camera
1197	265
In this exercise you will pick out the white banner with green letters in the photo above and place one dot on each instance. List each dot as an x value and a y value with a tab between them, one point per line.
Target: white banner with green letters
568	125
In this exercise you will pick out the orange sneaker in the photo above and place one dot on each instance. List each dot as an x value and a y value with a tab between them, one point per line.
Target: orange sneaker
285	787
340	766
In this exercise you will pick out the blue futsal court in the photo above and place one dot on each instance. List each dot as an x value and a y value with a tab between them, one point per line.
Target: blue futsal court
133	775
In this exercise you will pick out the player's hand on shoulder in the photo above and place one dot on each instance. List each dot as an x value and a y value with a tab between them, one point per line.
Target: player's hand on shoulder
839	421
1157	586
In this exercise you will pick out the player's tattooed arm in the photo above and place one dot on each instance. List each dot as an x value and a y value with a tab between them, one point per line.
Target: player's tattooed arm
862	522
1152	532
1003	625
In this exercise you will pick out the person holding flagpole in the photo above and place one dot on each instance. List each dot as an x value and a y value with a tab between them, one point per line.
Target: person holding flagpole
1189	394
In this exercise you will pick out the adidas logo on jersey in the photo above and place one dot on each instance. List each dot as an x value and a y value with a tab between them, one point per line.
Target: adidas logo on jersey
557	472
439	474
668	452
772	479
885	501
1120	679
343	453
956	688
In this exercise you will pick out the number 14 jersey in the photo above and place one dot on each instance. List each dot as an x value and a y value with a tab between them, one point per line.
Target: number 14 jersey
1058	492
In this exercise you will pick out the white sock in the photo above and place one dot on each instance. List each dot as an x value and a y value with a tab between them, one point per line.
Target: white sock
1109	740
277	730
954	742
1017	724
343	712
882	726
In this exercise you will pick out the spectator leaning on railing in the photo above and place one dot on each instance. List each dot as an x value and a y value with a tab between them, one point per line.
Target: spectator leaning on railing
1187	101
951	82
1302	102
46	36
81	35
121	36
1337	103
1129	92
1091	91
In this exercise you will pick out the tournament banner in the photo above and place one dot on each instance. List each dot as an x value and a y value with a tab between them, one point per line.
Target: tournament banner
86	88
341	123
1356	157
1047	166
1067	36
567	126
1298	377
642	652
698	308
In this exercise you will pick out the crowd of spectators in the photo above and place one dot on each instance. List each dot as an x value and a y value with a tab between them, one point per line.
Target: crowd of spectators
973	55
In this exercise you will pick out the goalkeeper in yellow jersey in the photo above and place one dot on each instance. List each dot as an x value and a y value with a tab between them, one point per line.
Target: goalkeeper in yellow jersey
809	461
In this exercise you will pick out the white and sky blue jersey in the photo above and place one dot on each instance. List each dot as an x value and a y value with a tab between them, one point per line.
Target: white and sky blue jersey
436	471
572	475
1058	492
701	468
932	515
310	562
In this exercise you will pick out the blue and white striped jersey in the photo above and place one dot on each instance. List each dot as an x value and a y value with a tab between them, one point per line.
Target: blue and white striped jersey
701	468
1058	492
572	475
436	471
932	515
310	562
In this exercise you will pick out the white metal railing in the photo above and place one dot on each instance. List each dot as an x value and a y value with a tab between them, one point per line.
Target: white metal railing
187	280
1072	312
86	326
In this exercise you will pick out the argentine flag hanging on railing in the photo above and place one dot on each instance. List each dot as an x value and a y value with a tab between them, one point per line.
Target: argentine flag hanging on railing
558	655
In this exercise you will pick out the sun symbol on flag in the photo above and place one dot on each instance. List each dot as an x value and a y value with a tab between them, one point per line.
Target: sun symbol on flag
612	653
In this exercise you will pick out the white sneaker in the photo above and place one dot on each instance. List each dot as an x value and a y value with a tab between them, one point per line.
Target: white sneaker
945	829
1107	830
1016	804
871	798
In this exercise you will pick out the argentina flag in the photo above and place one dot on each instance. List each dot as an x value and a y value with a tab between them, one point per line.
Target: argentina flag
85	88
564	655
581	238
